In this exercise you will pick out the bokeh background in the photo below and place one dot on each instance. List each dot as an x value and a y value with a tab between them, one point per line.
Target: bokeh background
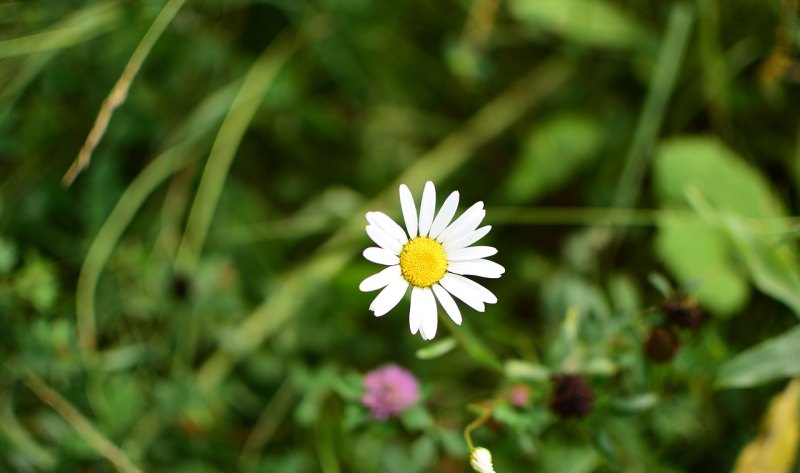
187	301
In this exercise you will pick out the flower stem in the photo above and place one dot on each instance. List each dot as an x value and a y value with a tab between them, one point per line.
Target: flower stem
485	416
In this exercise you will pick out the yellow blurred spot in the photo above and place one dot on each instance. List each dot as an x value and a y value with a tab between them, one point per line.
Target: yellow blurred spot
775	448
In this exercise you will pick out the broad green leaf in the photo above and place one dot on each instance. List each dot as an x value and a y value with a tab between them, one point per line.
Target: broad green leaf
775	448
773	268
698	253
743	223
720	175
553	153
776	358
590	22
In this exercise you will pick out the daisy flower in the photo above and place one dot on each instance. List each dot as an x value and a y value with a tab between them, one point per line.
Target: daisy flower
432	256
481	460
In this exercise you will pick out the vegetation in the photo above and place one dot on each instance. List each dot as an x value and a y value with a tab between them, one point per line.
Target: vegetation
183	187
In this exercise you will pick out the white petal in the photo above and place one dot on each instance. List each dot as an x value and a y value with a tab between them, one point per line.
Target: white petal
389	297
427	208
479	267
465	241
426	306
384	240
385	223
381	279
417	310
409	210
381	256
445	215
486	295
456	286
455	230
472	252
448	303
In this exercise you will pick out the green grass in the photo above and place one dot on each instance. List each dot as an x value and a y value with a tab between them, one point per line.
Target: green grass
182	196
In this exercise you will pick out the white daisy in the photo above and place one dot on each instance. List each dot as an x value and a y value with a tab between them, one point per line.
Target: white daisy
481	460
432	258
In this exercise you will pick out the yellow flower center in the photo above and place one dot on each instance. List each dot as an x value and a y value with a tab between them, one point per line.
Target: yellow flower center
423	261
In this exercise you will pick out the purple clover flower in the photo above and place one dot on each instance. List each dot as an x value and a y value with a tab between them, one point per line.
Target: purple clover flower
390	390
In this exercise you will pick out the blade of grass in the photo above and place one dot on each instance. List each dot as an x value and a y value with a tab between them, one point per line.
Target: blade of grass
119	93
73	417
24	445
451	153
207	115
267	423
77	28
661	87
256	84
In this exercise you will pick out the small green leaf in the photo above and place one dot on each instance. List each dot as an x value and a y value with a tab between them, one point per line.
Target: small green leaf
37	283
776	358
524	370
416	418
634	404
8	256
661	283
436	349
553	153
589	22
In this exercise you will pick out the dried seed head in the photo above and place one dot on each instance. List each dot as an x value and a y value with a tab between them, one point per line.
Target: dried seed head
682	310
662	344
572	396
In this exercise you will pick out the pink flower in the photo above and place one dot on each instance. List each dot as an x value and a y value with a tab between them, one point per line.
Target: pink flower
390	390
519	395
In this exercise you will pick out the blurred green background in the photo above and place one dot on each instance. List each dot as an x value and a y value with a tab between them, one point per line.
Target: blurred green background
189	302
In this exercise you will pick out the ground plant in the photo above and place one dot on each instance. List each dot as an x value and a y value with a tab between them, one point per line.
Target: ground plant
296	236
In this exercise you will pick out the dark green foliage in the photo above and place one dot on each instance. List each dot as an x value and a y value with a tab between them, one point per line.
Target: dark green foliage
208	319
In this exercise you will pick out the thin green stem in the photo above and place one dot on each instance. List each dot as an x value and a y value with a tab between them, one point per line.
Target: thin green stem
482	419
608	216
266	425
661	87
257	83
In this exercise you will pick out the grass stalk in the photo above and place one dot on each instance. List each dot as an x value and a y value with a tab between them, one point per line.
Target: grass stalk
83	426
119	93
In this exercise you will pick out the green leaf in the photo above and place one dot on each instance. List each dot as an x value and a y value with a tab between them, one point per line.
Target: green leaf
8	256
742	221
776	358
697	253
590	22
436	349
524	370
553	153
634	404
37	283
416	418
721	176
